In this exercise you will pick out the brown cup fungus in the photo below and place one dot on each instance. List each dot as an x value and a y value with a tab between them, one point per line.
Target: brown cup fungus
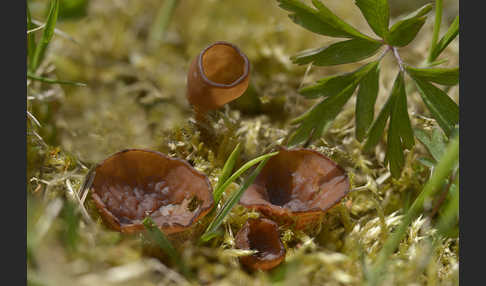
263	236
296	187
133	184
218	75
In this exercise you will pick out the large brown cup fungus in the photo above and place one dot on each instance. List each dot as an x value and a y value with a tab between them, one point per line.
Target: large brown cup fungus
296	187
218	75
263	236
133	184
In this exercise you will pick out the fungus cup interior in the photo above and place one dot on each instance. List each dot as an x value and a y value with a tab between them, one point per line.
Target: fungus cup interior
261	235
133	184
297	181
223	64
218	75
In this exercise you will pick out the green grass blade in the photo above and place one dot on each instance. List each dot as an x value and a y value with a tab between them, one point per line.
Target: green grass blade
159	237
433	185
53	81
218	192
232	201
449	217
30	37
162	21
47	34
228	166
344	52
436	31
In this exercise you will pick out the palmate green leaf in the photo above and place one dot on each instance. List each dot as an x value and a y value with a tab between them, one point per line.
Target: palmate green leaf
47	34
400	133
377	14
365	102
405	30
448	37
440	105
318	119
315	122
444	76
333	85
319	20
338	53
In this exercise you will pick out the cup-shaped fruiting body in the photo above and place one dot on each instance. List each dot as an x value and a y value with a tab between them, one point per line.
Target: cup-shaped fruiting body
133	184
263	236
218	75
296	187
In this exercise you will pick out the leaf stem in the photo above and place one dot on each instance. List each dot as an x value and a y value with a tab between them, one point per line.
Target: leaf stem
399	59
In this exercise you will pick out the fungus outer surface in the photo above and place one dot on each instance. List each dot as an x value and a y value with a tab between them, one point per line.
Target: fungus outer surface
297	185
133	184
218	75
262	235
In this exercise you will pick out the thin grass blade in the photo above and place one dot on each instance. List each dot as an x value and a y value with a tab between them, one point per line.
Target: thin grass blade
219	191
233	200
53	81
228	167
46	35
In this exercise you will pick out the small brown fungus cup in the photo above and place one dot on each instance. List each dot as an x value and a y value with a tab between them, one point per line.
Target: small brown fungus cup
133	184
296	187
218	75
263	236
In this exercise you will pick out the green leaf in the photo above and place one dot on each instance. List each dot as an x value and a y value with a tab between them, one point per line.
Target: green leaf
318	119
321	20
435	144
378	127
338	53
448	37
404	31
440	105
400	133
333	85
444	76
47	34
365	102
405	127
232	201
377	14
159	237
219	190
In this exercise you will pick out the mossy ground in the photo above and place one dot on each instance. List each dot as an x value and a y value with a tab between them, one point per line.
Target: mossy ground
135	98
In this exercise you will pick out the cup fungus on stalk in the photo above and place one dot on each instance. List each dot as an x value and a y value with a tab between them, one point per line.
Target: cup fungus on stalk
218	75
262	235
296	187
135	183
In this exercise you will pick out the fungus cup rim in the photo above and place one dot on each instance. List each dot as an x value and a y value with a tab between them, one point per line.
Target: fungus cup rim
246	70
